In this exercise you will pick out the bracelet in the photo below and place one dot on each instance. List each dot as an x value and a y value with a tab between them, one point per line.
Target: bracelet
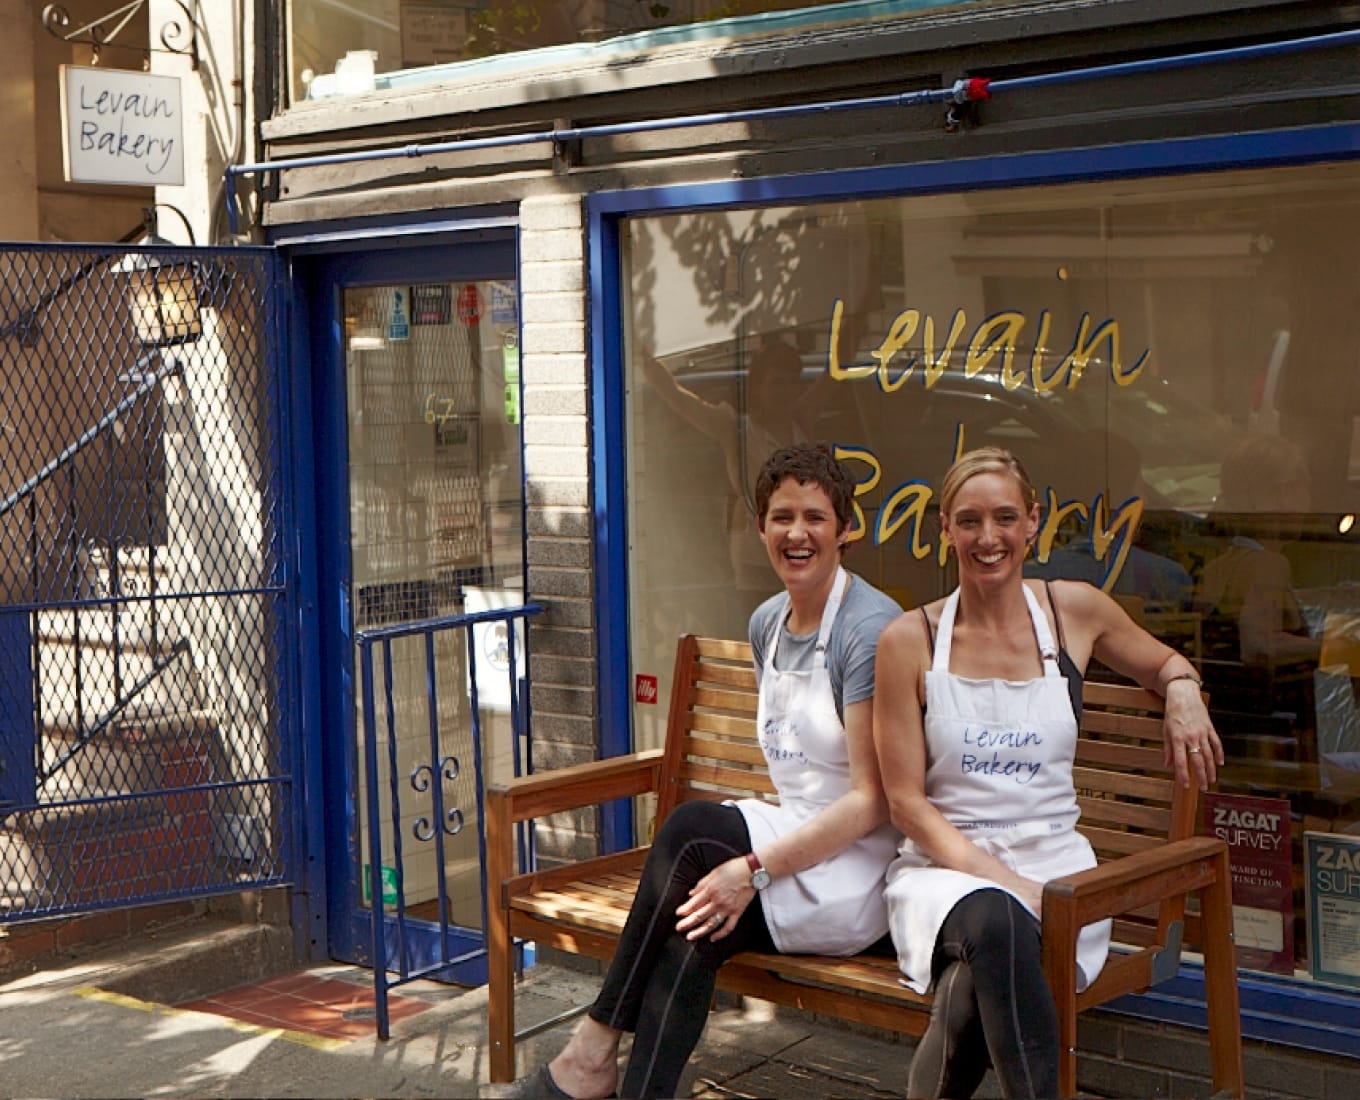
1193	677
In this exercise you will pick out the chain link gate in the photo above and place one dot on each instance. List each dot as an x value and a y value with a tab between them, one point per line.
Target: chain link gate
145	669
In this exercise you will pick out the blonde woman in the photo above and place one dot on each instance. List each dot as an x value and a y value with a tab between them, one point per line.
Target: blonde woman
976	710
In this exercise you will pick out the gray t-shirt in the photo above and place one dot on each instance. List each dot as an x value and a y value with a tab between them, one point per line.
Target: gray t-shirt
864	612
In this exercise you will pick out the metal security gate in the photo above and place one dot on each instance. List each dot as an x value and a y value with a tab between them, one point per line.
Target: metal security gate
145	675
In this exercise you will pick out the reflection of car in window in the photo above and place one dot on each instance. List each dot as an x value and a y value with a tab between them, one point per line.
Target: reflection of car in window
911	431
1180	443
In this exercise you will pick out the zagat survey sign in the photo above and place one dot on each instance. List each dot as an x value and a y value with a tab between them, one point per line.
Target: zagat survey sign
915	347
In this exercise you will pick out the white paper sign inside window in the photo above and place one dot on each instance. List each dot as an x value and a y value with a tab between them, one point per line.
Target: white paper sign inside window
121	127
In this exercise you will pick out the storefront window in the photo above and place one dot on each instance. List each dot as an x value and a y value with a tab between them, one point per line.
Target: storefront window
341	47
1177	362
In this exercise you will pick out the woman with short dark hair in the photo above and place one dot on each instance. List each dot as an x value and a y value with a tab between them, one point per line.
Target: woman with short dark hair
801	875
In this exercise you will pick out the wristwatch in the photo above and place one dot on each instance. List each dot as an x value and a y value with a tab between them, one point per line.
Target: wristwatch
760	878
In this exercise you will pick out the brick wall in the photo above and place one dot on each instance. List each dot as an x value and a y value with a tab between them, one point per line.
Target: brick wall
1123	1057
33	945
556	377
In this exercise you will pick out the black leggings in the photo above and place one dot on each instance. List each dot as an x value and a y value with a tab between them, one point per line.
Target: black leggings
660	985
991	1001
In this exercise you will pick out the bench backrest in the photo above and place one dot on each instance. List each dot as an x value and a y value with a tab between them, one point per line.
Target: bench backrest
1129	801
711	747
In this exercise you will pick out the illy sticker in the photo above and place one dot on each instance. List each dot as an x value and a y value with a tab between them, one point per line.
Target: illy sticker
644	691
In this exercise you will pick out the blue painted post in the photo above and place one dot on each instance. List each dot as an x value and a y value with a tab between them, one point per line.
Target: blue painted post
18	733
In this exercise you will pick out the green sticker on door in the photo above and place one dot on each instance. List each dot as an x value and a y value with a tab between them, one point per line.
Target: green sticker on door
510	358
389	884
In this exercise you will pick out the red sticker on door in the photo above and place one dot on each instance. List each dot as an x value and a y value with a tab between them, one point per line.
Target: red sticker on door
644	689
469	304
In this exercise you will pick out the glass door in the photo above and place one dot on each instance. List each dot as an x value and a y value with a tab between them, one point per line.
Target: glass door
425	506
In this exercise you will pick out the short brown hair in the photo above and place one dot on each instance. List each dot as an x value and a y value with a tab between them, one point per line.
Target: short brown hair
984	460
808	464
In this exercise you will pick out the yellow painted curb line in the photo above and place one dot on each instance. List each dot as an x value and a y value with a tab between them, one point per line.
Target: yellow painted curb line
302	1038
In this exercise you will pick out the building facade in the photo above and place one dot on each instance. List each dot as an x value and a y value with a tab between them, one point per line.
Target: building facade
561	274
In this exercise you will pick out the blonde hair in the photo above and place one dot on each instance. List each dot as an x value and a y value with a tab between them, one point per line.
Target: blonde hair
984	460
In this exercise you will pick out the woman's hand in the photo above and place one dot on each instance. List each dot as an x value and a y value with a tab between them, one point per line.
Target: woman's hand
717	901
1192	744
1032	894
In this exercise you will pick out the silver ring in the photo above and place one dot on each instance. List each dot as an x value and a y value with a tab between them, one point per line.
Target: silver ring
715	920
1192	750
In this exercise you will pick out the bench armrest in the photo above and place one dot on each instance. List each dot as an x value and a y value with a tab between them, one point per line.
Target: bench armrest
571	788
1131	882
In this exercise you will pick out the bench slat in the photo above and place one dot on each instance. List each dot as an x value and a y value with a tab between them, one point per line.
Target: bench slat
725	700
1129	786
737	752
1136	727
1111	841
726	725
1115	754
1111	811
724	648
1095	694
735	676
696	771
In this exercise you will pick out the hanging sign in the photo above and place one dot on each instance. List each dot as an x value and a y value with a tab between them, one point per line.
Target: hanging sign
121	127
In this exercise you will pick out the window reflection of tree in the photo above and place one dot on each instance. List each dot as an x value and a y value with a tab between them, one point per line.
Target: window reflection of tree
781	272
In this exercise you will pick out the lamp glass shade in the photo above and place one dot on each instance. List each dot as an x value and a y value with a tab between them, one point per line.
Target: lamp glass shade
164	302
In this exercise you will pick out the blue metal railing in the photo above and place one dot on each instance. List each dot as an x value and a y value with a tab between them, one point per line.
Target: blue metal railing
441	820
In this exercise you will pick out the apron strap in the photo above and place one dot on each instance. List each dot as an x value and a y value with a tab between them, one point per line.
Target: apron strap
1047	650
839	587
945	633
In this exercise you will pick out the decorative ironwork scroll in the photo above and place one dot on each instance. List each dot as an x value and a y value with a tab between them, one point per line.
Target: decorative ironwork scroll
176	36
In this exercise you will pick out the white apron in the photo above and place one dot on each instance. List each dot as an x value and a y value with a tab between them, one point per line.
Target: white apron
836	907
999	768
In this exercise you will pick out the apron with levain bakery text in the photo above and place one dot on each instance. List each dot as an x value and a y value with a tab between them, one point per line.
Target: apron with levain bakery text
999	767
836	907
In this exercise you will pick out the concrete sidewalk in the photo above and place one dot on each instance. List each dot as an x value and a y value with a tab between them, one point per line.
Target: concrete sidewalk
108	1026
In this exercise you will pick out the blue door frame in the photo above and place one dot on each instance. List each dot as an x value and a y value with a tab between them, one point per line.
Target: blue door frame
331	899
1273	1010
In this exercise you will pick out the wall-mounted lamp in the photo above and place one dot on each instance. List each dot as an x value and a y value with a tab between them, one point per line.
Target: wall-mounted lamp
164	303
163	297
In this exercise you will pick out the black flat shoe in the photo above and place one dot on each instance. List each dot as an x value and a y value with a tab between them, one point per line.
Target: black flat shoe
538	1085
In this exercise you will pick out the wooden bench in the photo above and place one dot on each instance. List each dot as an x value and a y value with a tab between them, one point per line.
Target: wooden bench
1141	823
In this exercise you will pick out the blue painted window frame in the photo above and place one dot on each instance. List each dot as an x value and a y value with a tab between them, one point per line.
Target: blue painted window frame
1305	1015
